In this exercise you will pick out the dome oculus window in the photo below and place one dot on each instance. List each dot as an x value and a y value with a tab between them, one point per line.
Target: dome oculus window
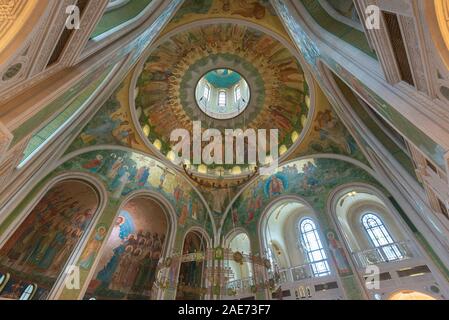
222	94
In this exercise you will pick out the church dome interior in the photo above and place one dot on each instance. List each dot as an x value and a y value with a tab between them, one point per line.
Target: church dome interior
224	150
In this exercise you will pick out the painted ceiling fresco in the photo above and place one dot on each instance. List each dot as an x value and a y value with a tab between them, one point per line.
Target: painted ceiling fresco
124	172
165	89
327	133
112	125
259	12
164	97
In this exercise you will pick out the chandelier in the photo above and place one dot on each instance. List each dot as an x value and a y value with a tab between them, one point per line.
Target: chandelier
221	183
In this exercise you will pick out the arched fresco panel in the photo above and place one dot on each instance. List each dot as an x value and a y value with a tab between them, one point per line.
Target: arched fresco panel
124	172
40	247
128	263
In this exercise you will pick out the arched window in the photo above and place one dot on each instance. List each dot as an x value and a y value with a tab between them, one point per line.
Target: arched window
380	237
206	92
313	247
28	293
4	277
238	93
272	258
222	99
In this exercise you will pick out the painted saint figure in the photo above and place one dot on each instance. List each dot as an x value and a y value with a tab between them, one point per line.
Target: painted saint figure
338	254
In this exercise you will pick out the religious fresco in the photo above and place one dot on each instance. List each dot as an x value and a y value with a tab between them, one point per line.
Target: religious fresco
165	89
329	135
127	267
112	124
345	7
377	129
38	250
115	17
160	80
312	179
124	129
330	129
124	172
256	11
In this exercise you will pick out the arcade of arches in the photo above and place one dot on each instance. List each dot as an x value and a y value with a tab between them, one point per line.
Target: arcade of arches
92	182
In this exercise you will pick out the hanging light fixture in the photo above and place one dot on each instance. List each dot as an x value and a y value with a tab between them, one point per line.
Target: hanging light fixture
220	183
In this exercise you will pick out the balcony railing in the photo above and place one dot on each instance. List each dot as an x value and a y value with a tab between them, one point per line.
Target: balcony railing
394	252
236	106
298	273
239	286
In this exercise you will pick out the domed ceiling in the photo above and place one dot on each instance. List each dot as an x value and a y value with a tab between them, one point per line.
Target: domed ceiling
165	87
158	94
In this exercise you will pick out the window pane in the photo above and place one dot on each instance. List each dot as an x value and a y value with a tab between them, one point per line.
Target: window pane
238	94
26	295
222	99
206	92
314	248
380	237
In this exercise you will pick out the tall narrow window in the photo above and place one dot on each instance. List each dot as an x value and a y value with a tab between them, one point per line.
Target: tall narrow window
271	258
4	277
28	293
222	99
66	36
238	93
206	93
40	139
313	247
380	237
399	47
